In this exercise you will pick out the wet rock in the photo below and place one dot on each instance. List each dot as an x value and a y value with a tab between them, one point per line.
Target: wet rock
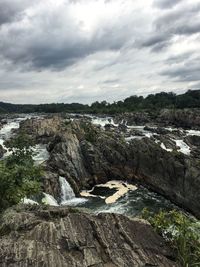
67	237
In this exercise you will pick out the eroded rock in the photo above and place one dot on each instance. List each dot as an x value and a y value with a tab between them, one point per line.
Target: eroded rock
64	237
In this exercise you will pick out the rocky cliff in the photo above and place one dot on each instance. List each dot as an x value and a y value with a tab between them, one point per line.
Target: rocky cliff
87	155
63	237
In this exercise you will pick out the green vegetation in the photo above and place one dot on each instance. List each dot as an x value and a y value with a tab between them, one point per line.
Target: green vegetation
181	232
19	177
153	102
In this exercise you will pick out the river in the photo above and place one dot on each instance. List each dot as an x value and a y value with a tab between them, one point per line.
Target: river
103	198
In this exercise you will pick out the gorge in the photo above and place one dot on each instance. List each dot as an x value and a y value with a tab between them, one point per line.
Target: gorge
109	165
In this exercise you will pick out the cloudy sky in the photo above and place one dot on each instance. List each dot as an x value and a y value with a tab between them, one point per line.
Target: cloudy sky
88	50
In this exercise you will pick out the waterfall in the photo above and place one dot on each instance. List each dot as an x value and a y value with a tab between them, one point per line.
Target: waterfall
67	192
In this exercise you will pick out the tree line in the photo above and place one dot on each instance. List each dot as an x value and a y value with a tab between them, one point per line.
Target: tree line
190	99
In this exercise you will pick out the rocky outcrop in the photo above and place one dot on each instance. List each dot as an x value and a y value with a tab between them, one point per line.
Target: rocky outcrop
85	158
42	129
174	175
64	237
185	118
87	155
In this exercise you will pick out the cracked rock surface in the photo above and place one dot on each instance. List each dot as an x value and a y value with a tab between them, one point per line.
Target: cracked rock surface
67	237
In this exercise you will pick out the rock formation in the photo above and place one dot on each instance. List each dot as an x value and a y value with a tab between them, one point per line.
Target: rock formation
87	155
64	237
186	118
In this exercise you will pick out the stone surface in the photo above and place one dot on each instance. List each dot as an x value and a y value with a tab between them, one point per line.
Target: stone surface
62	237
174	175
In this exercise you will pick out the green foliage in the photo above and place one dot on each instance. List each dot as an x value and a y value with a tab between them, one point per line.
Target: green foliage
181	232
153	102
19	177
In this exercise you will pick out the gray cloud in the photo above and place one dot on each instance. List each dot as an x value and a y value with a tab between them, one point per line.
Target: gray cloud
188	72
11	10
53	39
110	81
179	22
165	4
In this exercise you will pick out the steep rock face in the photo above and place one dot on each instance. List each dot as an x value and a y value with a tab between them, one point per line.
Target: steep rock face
86	163
65	237
171	174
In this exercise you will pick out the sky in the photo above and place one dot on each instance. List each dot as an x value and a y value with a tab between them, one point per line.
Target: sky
94	50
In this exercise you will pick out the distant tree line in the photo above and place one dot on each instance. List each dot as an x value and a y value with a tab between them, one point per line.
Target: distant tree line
190	99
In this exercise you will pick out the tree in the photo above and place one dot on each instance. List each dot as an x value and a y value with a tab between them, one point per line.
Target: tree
19	177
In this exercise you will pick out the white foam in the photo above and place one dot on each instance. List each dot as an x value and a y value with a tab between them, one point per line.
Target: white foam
193	132
164	147
184	148
49	200
29	201
103	121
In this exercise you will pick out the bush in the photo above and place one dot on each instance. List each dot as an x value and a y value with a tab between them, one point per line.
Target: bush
19	177
181	232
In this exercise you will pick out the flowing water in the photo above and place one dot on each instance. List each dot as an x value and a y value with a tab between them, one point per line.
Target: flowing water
67	194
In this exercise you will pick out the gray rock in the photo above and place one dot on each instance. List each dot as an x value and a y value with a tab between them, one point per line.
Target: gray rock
64	237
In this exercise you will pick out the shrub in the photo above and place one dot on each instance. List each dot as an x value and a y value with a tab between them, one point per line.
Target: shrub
19	177
181	232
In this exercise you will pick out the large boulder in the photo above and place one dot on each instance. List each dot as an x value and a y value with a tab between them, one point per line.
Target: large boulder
64	237
43	129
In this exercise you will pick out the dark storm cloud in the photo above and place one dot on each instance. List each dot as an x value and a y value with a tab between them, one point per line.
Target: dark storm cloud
165	4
